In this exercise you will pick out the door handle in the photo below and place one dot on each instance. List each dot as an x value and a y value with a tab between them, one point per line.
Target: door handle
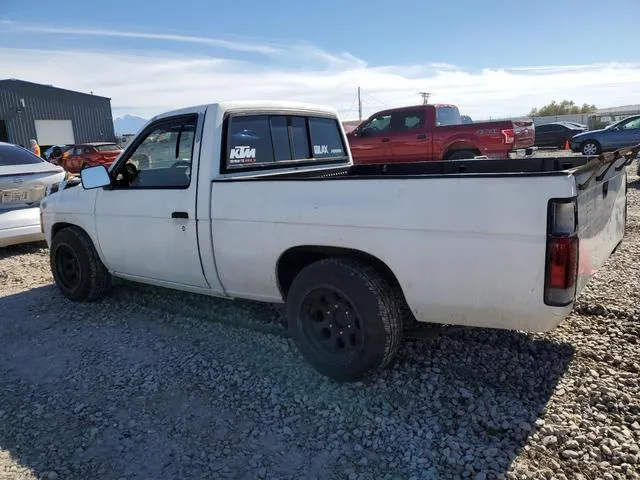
385	139
422	136
179	215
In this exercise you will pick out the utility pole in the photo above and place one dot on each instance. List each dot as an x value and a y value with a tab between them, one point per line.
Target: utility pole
359	106
425	97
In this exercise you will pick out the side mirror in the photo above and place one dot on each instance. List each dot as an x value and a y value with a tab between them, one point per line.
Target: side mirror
95	177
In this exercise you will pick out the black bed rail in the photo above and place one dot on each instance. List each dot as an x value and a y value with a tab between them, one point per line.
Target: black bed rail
607	160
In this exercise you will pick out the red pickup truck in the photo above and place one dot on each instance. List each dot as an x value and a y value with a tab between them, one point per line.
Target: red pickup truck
434	132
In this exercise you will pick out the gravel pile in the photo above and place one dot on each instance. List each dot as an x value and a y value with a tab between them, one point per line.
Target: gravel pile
158	384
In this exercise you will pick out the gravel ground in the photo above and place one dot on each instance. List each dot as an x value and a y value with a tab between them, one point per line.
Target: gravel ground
157	384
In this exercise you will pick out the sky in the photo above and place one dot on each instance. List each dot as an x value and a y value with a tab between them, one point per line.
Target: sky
492	59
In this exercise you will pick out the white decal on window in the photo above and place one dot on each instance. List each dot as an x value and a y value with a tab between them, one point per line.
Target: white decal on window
336	150
242	153
320	149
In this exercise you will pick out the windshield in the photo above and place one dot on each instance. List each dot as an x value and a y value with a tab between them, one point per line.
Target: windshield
11	155
447	116
107	148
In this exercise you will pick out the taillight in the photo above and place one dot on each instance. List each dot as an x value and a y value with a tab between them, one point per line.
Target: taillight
509	135
562	253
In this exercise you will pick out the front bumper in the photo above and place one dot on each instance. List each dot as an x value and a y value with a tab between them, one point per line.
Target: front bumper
20	226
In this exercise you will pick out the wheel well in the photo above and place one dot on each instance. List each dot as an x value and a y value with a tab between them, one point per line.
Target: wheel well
590	140
295	259
458	148
59	226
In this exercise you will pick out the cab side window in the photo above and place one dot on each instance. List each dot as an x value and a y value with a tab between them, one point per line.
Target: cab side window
376	126
163	158
631	124
407	122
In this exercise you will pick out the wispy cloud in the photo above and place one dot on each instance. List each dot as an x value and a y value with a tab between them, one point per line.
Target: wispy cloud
97	32
145	82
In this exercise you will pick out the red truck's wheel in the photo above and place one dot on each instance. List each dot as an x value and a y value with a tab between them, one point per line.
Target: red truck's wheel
462	154
344	317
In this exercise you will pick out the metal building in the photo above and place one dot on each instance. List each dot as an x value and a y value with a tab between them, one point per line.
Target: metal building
52	115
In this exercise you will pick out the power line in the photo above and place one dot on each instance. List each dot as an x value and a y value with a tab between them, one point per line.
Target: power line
425	97
376	100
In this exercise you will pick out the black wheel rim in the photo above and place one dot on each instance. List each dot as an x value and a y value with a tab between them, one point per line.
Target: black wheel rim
67	267
331	324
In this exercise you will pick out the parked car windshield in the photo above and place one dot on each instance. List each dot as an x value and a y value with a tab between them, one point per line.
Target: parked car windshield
106	148
11	155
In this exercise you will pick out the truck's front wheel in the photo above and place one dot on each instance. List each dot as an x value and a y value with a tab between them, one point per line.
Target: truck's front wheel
77	270
344	317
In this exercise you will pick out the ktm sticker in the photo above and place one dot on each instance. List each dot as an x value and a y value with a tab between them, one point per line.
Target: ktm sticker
242	154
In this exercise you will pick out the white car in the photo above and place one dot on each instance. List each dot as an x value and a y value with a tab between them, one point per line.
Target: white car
24	179
262	201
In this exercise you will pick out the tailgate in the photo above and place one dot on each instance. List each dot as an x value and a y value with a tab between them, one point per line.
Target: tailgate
602	208
525	133
583	230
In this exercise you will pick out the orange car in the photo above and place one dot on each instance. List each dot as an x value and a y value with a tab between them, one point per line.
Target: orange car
89	155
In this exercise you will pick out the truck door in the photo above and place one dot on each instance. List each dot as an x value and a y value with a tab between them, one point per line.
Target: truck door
371	142
410	141
146	223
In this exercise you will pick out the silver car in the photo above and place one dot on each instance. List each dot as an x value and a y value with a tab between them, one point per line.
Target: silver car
24	179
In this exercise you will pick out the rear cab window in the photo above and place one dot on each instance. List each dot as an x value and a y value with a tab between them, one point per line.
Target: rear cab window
447	115
106	148
257	141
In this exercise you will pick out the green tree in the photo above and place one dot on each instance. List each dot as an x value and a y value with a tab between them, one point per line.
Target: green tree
565	107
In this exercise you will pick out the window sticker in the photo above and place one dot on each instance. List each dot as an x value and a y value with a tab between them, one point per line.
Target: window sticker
320	149
242	154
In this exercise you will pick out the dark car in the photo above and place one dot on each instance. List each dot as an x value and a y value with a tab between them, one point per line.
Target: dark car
47	153
556	134
624	133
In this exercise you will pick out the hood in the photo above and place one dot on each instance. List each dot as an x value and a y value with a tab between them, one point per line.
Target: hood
70	200
589	132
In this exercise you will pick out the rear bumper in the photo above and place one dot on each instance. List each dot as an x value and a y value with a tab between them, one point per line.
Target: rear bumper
523	152
20	226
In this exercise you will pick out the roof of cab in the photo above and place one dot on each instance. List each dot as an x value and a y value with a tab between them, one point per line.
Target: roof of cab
252	105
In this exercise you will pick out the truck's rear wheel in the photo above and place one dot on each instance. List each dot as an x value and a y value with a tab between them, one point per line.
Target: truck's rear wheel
344	317
77	270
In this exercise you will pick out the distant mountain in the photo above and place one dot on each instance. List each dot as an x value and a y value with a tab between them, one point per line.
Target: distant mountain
128	124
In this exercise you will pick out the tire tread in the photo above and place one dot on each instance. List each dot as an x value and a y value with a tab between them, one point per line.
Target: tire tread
389	305
99	280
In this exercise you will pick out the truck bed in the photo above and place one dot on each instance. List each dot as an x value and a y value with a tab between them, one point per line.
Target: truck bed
468	247
535	165
530	166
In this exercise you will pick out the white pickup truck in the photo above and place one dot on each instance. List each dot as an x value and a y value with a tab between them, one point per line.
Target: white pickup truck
262	201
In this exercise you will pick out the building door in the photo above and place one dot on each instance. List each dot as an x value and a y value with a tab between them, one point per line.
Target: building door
4	133
54	132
